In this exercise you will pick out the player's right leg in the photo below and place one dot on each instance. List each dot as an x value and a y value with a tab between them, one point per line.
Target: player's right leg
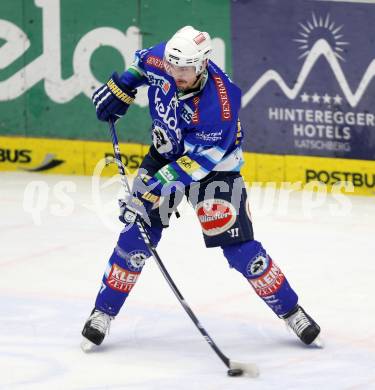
120	276
125	265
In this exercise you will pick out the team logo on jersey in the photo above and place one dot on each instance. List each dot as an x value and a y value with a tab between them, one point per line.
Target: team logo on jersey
121	279
159	81
216	216
163	139
135	260
167	113
269	282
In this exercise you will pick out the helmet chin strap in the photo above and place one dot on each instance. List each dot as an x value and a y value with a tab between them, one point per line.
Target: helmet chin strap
197	81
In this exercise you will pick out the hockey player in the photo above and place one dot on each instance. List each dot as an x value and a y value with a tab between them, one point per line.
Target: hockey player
196	150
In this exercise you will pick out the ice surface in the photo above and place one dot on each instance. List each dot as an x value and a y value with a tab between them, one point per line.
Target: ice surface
51	264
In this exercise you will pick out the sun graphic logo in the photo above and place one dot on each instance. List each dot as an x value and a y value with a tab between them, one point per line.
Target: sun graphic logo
320	27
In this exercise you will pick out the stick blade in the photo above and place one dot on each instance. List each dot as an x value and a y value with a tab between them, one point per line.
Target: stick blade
249	369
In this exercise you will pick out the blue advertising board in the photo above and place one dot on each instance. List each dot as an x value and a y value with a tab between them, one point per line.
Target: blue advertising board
306	71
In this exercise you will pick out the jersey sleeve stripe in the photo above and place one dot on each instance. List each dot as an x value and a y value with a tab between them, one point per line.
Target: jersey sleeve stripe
214	154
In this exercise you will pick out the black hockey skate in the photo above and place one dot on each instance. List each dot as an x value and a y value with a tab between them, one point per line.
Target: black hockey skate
95	329
303	326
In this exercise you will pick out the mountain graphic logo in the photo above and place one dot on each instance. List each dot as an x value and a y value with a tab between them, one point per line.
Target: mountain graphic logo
320	26
331	50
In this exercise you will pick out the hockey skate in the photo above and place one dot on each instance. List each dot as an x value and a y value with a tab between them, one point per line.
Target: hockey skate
303	326
95	329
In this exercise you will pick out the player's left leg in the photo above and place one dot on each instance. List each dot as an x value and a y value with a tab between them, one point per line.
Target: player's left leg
222	209
272	286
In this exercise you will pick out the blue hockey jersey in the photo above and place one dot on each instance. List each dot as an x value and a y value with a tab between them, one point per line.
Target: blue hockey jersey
198	132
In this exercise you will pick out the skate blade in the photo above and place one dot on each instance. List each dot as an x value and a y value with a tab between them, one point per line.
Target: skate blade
87	346
318	343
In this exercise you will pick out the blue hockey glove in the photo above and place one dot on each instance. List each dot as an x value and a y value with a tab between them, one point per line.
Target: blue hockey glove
145	197
112	99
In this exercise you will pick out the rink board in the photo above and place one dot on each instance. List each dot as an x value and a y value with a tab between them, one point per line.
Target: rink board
74	157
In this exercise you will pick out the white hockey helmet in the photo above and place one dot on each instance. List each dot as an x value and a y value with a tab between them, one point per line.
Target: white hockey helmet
189	47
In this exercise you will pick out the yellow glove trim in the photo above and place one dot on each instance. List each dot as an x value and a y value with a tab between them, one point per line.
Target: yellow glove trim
119	93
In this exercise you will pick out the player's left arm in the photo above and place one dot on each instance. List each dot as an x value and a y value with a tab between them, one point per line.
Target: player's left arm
192	166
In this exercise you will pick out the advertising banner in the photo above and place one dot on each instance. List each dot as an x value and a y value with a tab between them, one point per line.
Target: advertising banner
54	54
306	69
70	157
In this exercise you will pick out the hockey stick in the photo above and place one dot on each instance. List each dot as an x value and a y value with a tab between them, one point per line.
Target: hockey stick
235	368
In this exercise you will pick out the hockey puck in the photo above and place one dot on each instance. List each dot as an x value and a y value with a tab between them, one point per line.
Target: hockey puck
235	372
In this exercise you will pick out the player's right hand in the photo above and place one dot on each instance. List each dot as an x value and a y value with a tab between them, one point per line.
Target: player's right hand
112	99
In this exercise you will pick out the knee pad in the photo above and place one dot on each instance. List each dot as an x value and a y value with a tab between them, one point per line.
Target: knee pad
127	261
131	234
131	250
246	257
123	269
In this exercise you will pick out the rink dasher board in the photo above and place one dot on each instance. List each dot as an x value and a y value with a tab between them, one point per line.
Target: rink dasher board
77	157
